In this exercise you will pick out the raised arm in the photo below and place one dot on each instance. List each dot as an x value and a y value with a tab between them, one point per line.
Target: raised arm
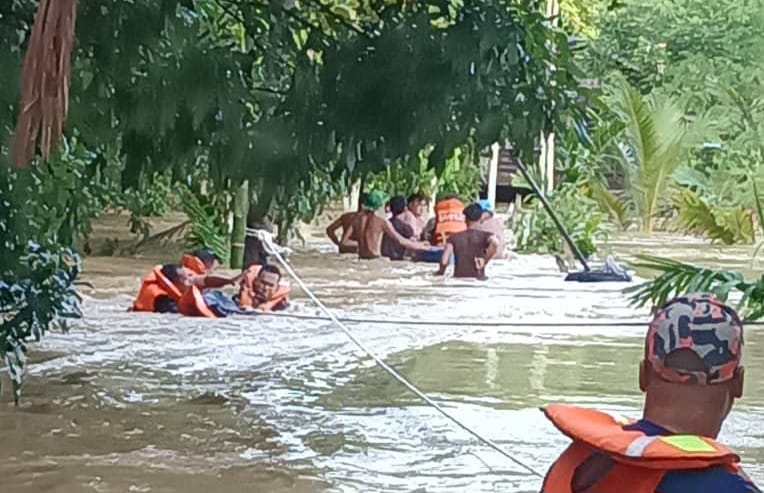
331	230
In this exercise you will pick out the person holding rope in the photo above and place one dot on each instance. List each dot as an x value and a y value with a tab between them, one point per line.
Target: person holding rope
691	376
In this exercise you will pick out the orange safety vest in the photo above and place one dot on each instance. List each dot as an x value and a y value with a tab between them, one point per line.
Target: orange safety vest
639	461
449	219
247	297
192	263
154	285
192	304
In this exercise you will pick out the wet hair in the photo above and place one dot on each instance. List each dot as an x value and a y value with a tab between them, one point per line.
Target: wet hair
397	204
171	272
416	196
473	213
271	269
206	255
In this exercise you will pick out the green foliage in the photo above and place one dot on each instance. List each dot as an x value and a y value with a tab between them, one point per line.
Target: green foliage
729	225
35	294
208	225
654	144
152	197
678	277
536	232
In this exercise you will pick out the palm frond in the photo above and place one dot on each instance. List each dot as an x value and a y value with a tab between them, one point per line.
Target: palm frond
616	208
676	278
206	230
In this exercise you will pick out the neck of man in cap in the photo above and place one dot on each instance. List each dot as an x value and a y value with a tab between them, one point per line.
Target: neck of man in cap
686	408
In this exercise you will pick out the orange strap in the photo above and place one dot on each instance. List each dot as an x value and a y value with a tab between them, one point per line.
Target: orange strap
192	304
154	285
247	296
192	263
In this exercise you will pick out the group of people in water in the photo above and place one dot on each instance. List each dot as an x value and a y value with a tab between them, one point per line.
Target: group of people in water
467	236
190	287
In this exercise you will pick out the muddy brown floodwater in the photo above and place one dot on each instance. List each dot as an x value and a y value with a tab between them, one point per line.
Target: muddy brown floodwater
148	403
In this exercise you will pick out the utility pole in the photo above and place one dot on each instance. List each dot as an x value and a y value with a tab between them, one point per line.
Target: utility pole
546	144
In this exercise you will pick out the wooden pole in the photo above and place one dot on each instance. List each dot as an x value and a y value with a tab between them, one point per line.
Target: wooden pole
238	235
493	173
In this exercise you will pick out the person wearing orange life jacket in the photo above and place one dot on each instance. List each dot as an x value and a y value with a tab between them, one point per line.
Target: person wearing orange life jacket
202	265
261	289
691	376
449	218
161	289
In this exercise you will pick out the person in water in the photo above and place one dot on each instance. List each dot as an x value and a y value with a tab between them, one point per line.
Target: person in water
390	248
262	290
347	242
201	266
162	288
414	214
492	224
472	247
370	228
691	375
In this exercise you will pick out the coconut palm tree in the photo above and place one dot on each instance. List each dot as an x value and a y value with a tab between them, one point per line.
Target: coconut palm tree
655	140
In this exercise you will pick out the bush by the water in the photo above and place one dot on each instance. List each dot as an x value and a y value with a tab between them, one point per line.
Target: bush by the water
536	232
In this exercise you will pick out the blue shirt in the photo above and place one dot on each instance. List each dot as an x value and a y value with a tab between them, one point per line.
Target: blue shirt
710	480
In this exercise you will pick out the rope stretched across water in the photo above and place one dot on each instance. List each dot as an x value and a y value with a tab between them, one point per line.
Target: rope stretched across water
268	242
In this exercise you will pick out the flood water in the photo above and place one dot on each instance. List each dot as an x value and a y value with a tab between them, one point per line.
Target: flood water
150	403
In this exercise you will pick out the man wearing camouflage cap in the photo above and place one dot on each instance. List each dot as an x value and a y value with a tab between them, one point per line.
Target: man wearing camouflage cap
691	375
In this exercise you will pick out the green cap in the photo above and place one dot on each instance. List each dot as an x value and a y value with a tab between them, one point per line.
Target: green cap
374	200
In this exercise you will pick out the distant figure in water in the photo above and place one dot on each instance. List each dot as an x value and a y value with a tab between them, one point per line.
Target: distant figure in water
473	248
261	289
691	375
492	224
390	248
413	215
347	242
369	227
162	288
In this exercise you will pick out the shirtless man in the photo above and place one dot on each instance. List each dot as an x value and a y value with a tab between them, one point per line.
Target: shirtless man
348	242
473	248
370	228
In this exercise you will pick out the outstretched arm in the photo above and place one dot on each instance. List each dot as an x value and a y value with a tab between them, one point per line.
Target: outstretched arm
211	281
445	259
401	241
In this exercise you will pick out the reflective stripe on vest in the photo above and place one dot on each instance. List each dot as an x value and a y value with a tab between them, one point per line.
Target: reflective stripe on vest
449	219
638	460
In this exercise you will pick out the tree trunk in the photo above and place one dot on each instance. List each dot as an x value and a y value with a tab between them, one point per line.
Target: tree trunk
238	235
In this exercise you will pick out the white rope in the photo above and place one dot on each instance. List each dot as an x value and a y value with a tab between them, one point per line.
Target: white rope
267	240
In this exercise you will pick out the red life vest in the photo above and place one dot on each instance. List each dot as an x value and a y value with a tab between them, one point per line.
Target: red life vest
192	304
247	295
192	263
449	219
639	461
154	285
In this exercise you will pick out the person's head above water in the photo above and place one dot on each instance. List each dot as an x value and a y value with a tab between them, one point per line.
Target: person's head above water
267	281
373	201
473	213
486	207
397	204
176	275
208	257
416	204
691	374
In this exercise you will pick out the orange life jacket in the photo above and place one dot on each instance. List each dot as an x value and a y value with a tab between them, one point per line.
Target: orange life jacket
192	304
247	296
192	263
449	219
639	461
154	285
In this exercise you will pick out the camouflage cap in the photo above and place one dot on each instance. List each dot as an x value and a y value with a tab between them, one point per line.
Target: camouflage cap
703	324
